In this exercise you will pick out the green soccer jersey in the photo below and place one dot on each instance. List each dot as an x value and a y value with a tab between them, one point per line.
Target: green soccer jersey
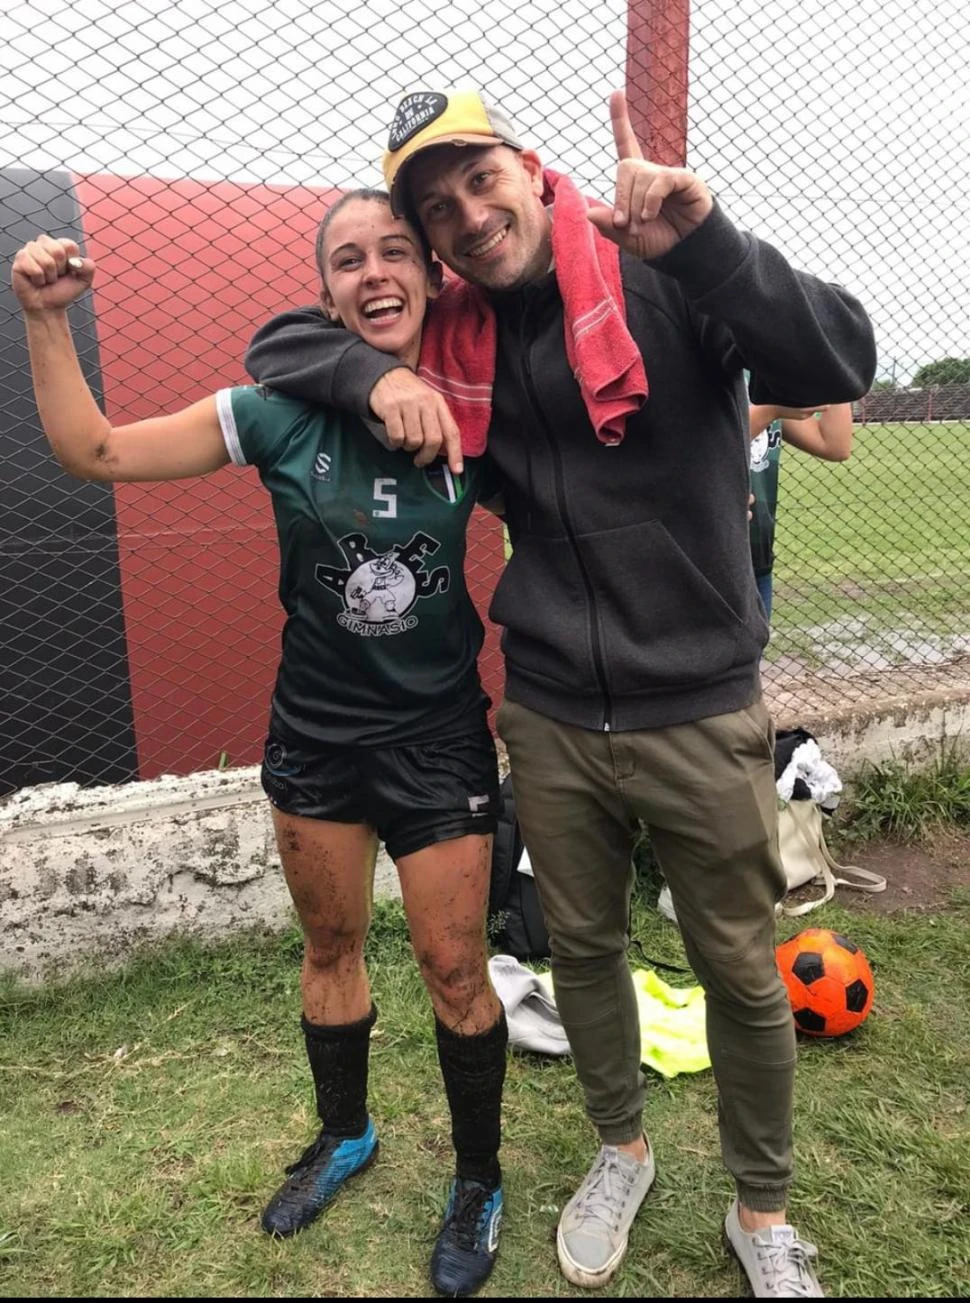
381	639
765	463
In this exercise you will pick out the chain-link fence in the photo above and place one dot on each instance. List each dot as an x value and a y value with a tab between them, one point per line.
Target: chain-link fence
833	130
192	150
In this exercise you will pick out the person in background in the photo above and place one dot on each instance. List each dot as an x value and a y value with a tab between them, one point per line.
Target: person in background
378	721
824	432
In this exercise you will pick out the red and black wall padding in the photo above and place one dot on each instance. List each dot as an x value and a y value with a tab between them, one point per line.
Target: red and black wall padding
65	694
139	622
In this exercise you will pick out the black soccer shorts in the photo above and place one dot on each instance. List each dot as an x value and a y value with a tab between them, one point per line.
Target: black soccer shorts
413	796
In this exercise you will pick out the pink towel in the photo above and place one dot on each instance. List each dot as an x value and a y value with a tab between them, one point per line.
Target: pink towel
458	347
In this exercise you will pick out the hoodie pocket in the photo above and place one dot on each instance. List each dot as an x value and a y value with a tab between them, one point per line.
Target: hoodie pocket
541	600
662	623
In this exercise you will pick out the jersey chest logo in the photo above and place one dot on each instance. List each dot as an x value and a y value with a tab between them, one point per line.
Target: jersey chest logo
378	589
762	445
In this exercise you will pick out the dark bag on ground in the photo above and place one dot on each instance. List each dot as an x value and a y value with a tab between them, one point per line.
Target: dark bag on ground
516	925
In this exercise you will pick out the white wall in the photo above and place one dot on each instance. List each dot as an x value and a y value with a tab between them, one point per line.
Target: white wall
93	875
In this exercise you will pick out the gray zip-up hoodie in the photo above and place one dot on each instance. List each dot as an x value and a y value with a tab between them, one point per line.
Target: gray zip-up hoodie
629	599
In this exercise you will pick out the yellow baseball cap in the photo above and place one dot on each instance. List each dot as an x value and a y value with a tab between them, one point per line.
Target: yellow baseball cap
452	117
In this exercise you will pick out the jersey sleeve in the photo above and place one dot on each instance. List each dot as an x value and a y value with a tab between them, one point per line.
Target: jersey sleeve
254	422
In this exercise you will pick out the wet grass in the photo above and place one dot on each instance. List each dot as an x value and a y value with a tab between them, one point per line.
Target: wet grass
894	800
147	1115
873	554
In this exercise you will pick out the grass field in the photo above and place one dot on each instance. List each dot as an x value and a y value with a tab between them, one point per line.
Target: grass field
147	1116
873	555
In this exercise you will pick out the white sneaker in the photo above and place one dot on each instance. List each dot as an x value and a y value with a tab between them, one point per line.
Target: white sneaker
777	1263
595	1225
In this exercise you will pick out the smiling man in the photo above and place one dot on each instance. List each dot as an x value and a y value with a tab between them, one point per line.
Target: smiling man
632	626
508	240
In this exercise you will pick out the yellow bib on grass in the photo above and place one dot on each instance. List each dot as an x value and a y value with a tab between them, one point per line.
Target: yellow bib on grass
673	1033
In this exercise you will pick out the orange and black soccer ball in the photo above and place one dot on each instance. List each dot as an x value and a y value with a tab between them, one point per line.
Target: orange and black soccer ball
829	981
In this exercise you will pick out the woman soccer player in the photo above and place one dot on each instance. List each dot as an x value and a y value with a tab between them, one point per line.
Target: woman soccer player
378	719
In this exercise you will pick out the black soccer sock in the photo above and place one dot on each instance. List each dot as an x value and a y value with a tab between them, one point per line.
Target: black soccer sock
338	1061
473	1068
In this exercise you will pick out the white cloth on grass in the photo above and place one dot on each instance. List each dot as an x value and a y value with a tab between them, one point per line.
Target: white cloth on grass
534	1022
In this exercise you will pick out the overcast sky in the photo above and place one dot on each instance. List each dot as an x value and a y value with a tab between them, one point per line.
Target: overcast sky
839	131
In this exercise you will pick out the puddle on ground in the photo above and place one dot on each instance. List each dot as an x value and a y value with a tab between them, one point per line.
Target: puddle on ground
853	643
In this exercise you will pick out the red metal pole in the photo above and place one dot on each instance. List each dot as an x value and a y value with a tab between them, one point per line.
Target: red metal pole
658	46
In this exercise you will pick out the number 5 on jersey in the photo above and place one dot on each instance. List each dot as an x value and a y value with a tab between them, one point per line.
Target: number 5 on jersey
387	500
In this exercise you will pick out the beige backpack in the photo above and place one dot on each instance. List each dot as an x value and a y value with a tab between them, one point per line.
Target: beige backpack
806	858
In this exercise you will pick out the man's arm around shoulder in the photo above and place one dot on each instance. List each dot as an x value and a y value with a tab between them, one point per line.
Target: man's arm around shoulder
304	354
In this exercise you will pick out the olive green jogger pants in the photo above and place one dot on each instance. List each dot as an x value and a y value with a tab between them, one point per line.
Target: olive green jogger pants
705	792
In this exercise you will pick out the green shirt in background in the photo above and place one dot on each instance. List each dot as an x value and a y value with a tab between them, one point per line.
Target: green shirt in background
765	462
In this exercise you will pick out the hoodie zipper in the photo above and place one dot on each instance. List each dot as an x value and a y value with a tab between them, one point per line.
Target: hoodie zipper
529	386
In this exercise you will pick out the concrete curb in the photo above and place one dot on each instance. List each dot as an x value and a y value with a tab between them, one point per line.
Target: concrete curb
98	872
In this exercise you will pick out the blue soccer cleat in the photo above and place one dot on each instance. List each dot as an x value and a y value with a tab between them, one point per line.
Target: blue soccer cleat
313	1180
467	1244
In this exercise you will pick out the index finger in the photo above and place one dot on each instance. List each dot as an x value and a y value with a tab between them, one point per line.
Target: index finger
627	145
451	438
